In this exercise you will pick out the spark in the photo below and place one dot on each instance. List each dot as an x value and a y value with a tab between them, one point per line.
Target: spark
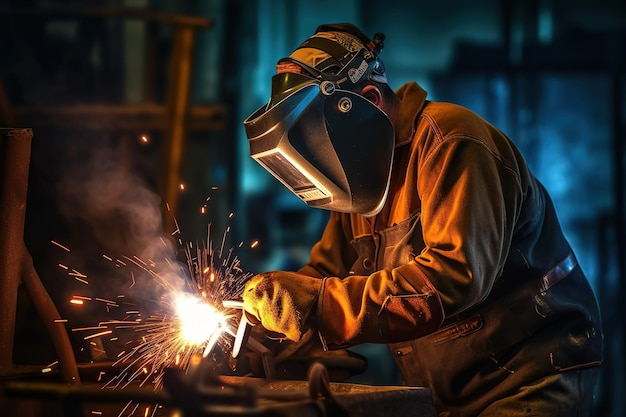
104	300
138	260
254	244
81	297
98	334
177	230
144	139
48	368
77	275
181	315
84	281
59	245
191	321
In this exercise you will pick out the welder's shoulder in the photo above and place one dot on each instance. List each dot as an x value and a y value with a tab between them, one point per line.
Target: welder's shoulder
449	120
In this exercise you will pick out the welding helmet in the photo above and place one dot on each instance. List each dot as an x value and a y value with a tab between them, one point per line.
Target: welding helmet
329	145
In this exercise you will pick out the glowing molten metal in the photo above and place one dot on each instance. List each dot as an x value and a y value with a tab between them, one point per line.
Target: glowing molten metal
198	320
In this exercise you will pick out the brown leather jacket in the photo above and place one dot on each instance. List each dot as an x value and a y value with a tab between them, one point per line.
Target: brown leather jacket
465	273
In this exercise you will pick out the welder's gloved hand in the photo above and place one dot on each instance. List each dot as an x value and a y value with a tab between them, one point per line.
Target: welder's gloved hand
282	301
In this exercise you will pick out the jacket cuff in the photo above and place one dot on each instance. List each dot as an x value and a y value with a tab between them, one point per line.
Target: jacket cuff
366	309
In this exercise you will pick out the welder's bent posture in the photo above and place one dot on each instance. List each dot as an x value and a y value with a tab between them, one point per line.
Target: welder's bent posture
440	243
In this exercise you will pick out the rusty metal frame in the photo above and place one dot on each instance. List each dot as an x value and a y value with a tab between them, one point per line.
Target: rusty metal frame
16	263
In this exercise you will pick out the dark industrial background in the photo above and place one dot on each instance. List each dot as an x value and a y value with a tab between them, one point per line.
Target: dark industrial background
137	110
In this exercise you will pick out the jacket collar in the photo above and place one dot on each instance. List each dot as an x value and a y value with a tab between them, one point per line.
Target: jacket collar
412	100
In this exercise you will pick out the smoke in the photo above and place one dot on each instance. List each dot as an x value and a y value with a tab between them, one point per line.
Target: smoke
116	230
104	199
130	270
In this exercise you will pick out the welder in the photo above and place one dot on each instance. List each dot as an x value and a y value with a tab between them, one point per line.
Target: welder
440	242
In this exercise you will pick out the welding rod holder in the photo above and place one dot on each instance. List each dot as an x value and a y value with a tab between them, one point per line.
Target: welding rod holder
243	339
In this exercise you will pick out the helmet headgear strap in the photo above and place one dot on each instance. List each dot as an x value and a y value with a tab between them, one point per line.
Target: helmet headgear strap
353	67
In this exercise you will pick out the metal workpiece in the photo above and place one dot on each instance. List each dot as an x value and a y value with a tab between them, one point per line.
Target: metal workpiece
188	395
16	264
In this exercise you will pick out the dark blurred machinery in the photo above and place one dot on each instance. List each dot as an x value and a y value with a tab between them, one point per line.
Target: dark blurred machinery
199	394
172	116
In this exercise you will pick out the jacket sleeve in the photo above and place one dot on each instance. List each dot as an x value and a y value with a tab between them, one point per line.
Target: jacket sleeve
471	196
384	307
469	201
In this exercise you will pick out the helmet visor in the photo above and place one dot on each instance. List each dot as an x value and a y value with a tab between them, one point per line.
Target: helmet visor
332	148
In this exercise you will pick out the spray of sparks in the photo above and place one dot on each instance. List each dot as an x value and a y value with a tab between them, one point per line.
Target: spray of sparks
190	319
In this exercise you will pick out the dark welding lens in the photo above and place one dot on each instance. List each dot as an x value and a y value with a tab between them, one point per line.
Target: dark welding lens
285	83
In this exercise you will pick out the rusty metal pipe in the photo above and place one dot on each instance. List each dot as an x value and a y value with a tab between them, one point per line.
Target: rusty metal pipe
16	265
48	312
15	161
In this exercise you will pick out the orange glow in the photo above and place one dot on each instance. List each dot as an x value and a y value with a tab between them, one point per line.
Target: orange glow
195	360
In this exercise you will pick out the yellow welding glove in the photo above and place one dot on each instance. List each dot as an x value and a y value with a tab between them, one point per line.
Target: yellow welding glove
282	301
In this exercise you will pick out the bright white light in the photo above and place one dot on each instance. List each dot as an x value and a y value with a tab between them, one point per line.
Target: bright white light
199	321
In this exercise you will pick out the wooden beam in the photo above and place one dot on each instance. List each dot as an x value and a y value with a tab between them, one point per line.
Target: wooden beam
119	117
